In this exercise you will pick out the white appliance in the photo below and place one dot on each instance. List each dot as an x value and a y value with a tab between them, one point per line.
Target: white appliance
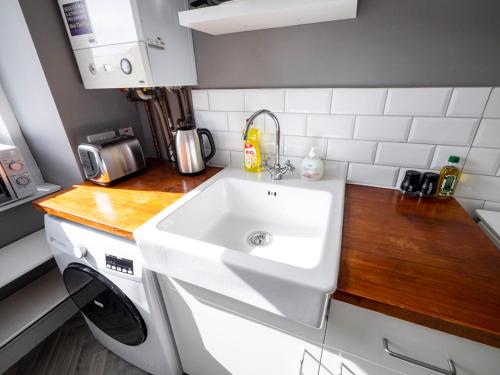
130	43
489	221
15	179
119	299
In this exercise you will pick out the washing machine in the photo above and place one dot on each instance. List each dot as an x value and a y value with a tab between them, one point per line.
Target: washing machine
119	299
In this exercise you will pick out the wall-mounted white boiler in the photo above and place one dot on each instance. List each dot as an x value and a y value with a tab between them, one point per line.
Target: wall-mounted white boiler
130	43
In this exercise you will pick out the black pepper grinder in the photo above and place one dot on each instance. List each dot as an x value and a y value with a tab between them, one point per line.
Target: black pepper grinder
428	185
411	182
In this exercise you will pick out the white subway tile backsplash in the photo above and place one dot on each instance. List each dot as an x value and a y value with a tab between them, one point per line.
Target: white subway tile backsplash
200	100
446	131
211	120
468	101
371	135
336	169
236	159
369	174
290	124
471	205
442	154
424	101
308	100
382	128
358	101
267	143
300	146
330	126
237	121
483	161
221	159
404	154
226	100
493	105
488	134
272	99
491	206
350	150
227	141
478	187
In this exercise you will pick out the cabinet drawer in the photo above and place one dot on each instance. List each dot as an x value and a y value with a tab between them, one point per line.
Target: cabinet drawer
334	362
360	332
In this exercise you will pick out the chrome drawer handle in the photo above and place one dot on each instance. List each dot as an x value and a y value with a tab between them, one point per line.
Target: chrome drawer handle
451	371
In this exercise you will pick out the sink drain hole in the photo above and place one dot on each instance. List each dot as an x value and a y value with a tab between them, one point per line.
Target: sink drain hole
260	238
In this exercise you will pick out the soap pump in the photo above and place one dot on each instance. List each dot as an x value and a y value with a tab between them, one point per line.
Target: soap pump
312	166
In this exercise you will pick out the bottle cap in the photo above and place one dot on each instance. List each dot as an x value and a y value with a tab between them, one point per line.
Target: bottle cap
453	159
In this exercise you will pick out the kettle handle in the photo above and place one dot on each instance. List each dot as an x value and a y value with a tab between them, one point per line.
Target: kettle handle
206	132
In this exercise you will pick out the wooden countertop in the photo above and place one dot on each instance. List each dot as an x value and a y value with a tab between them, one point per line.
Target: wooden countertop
424	261
123	207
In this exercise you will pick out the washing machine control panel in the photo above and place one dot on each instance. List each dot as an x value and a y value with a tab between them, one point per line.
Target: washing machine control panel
120	264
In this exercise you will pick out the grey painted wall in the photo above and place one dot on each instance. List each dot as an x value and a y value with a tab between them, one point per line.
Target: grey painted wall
82	111
55	112
391	43
26	88
24	82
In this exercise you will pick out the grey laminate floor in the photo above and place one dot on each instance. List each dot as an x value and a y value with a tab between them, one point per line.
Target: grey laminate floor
72	350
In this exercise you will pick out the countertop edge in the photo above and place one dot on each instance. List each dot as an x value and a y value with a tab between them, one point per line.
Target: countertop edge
420	318
82	221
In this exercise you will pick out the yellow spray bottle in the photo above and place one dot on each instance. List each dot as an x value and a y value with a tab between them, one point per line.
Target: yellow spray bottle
252	158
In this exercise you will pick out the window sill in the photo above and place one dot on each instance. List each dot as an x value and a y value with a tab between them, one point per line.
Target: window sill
42	190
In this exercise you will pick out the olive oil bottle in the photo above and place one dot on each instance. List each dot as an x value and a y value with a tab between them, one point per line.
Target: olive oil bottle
448	178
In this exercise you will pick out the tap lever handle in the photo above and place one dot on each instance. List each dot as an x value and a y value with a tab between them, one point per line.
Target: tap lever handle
290	166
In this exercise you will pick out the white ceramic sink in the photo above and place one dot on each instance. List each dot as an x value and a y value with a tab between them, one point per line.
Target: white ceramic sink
271	244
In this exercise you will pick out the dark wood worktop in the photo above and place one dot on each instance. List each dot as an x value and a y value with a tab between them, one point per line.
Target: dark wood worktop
123	207
422	260
425	261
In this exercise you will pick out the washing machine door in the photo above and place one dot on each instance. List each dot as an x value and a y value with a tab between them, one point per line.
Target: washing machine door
104	304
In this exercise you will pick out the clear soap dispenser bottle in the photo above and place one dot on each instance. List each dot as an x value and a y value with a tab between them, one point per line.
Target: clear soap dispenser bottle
312	166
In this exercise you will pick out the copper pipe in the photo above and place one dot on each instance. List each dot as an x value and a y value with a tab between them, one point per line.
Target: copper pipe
187	106
182	120
152	128
165	132
187	102
168	110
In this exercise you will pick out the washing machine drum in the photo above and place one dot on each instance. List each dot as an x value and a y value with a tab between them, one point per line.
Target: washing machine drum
104	304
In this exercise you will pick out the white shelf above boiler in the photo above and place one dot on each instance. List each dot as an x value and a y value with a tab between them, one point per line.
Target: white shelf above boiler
245	15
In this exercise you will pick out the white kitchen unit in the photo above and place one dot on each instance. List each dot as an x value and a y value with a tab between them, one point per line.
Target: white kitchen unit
354	346
129	43
274	245
229	337
246	266
245	15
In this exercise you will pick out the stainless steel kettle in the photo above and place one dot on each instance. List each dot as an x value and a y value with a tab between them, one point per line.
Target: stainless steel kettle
189	151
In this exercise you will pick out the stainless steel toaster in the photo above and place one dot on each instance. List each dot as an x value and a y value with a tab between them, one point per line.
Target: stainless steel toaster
108	161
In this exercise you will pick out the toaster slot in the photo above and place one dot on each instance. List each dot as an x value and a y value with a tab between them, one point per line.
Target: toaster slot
89	163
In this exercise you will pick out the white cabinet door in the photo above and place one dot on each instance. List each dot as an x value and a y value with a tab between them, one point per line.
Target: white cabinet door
359	332
334	362
215	341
